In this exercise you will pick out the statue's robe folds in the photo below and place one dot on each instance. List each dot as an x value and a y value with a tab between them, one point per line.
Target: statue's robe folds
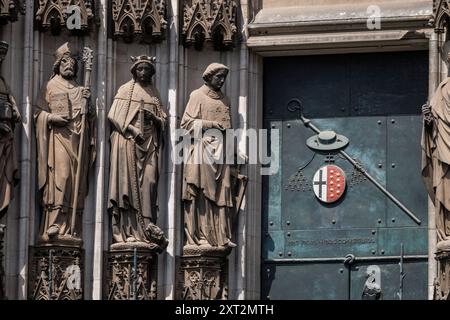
9	172
57	152
134	167
436	158
207	191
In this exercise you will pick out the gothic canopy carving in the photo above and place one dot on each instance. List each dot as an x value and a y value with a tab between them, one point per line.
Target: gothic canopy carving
10	9
441	14
56	15
210	21
141	19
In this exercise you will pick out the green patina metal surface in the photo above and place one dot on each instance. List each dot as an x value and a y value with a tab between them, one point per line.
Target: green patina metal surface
305	241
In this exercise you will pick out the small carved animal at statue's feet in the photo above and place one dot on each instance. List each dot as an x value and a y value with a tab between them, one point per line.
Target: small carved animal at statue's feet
53	231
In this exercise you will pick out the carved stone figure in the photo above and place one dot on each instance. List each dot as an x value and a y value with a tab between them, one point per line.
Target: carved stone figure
65	132
436	159
138	120
209	195
9	117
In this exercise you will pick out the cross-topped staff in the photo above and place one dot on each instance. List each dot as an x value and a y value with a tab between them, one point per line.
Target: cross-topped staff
88	58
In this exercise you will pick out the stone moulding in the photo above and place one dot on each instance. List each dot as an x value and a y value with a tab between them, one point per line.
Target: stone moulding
209	21
141	19
10	9
441	15
52	15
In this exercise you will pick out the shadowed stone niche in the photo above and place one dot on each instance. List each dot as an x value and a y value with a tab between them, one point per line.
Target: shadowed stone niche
76	16
141	20
55	273
10	9
209	21
131	274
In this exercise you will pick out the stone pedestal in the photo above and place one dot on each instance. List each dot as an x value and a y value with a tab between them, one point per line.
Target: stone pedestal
204	273
131	273
442	283
55	272
2	271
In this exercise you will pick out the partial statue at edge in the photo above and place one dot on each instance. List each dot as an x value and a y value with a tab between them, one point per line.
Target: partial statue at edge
65	132
138	122
212	190
436	159
9	117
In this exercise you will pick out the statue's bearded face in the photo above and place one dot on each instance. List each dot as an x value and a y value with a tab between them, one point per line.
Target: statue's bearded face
67	67
217	80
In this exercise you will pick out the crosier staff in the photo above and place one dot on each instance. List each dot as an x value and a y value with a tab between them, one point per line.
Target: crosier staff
88	58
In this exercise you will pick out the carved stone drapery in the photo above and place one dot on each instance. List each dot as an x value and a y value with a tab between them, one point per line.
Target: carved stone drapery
56	273
441	14
211	21
142	19
10	9
52	15
131	275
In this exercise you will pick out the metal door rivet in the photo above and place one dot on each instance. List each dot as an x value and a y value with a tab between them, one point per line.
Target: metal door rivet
341	270
289	253
273	126
380	165
288	125
288	223
280	254
373	252
356	268
393	219
333	222
393	120
393	165
288	234
343	109
379	220
373	232
382	251
271	223
379	122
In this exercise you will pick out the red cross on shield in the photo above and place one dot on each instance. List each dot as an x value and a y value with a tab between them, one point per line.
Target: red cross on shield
329	183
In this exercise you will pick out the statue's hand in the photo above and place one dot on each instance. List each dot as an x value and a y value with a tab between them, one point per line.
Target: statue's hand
16	116
427	115
218	125
58	121
4	128
137	134
86	93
